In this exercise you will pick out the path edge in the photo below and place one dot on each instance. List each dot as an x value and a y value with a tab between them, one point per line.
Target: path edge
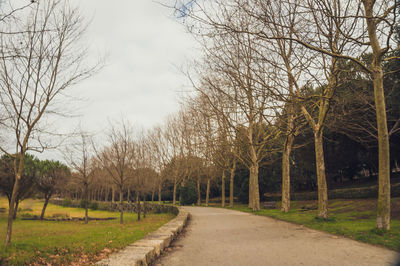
146	250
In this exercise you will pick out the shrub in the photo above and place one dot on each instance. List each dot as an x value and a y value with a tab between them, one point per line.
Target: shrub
188	194
82	204
157	209
370	192
67	202
93	205
60	215
26	215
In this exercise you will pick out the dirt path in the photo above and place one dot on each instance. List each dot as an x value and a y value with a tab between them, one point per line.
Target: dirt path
223	237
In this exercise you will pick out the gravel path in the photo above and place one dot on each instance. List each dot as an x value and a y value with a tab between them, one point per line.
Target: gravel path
218	236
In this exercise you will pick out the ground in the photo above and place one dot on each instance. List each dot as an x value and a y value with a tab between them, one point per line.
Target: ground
69	242
217	236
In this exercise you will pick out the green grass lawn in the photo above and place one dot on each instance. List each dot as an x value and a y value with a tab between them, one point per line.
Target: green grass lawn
70	241
351	218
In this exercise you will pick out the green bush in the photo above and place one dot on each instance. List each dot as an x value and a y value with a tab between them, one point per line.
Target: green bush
26	215
67	202
188	194
93	205
60	215
24	210
82	204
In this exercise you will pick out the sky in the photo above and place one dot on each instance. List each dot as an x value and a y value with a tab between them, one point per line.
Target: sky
145	48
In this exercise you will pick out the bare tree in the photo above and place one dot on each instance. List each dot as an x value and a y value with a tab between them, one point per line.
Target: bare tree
80	157
10	12
159	146
117	157
356	27
174	130
340	30
45	61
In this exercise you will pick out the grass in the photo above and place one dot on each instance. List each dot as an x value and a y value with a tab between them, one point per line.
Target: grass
350	218
42	242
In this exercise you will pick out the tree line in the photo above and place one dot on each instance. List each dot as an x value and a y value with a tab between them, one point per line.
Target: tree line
273	70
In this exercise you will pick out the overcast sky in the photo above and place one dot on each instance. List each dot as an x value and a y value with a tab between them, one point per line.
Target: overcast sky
145	47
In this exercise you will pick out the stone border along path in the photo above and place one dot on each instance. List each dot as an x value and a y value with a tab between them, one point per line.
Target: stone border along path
146	250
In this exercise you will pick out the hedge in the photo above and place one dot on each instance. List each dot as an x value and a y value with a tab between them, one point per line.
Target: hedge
114	207
344	193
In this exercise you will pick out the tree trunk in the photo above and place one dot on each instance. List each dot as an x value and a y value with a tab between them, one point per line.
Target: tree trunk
112	194
159	194
223	189
208	192
383	210
198	192
86	202
121	205
12	209
321	178
144	207
138	206
231	184
16	210
255	197
287	148
174	194
152	196
128	196
46	201
250	189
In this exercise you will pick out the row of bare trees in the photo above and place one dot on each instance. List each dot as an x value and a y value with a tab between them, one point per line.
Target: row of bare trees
271	68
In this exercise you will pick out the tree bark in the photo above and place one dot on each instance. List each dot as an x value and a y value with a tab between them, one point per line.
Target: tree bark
121	205
250	189
255	205
287	148
208	192
383	210
12	210
138	207
112	194
16	210
321	178
144	207
198	192
86	202
174	194
46	201
128	196
159	194
223	189
231	184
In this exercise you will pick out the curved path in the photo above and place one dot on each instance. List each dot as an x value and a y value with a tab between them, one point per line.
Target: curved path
218	236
